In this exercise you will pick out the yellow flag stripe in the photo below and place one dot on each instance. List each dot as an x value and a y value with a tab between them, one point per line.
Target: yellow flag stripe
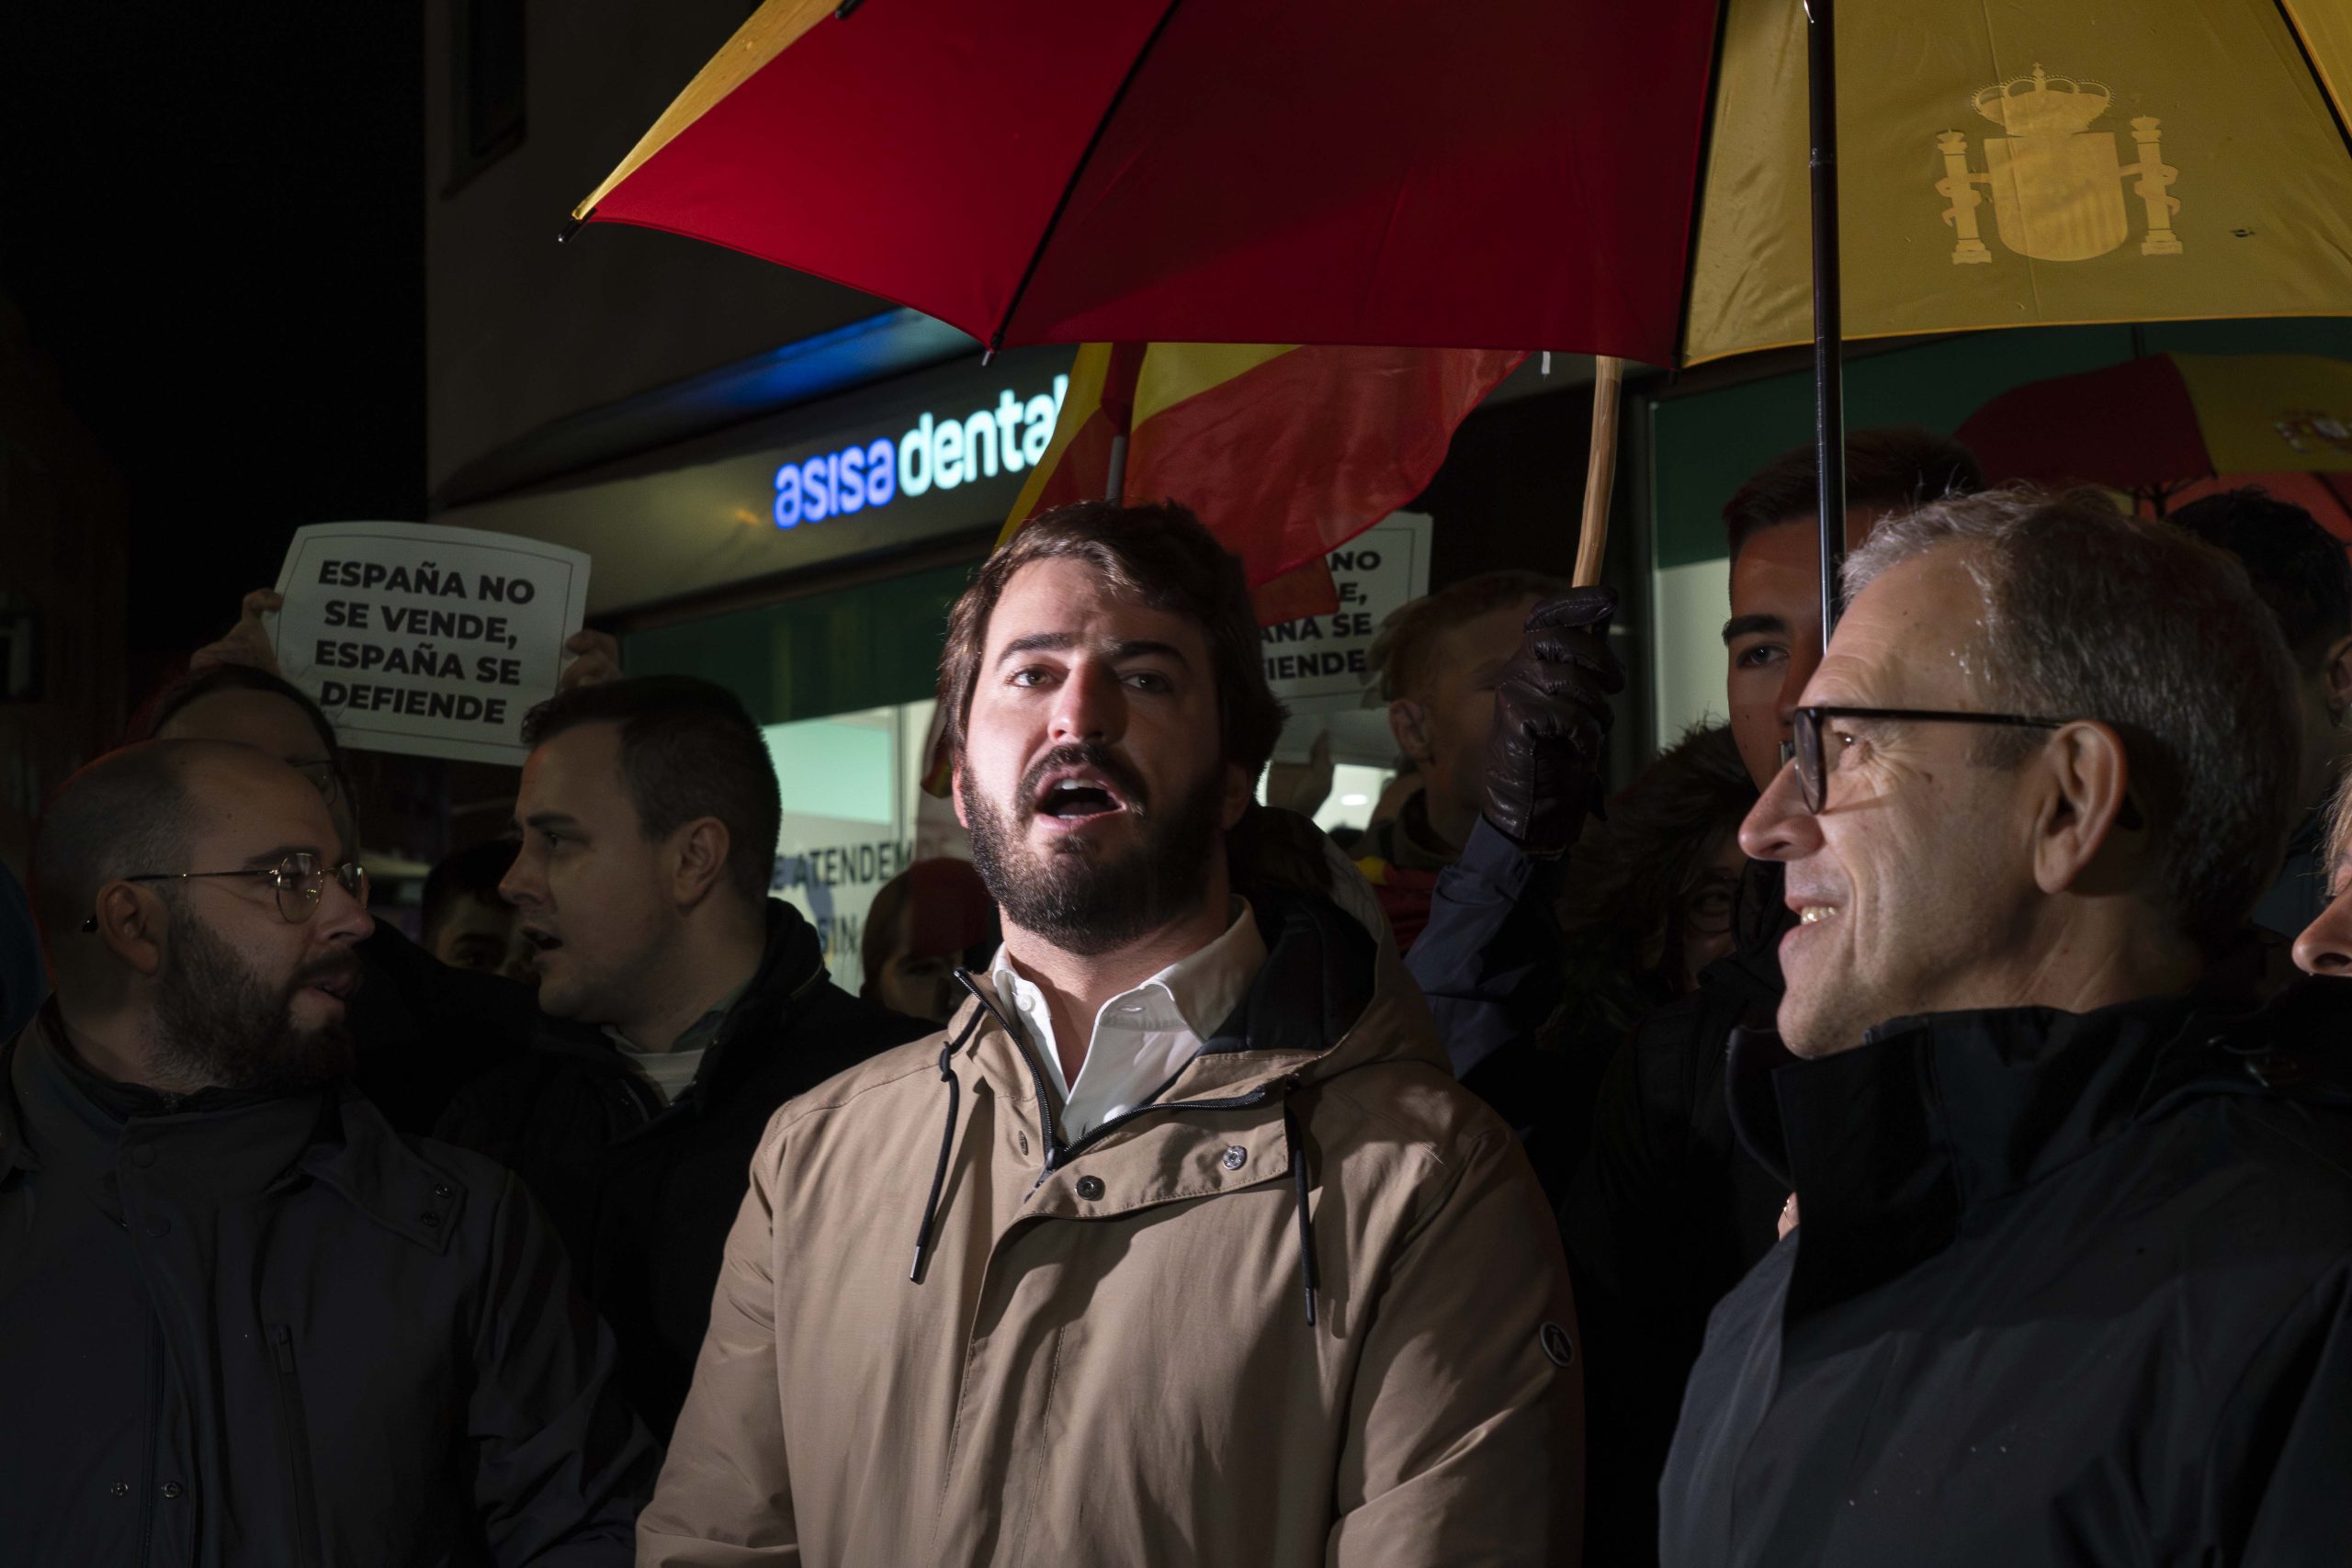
2253	409
1085	395
1175	371
773	28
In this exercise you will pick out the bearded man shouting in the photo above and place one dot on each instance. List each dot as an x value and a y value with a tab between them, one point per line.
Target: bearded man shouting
1212	1261
242	1319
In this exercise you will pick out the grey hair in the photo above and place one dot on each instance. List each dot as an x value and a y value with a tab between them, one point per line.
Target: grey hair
2090	613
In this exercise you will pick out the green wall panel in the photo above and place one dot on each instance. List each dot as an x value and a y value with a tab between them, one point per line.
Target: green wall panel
825	653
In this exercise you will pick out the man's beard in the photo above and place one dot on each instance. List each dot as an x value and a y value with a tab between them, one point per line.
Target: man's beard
219	1025
1082	898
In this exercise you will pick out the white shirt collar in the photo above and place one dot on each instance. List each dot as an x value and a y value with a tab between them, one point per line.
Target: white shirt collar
1144	1036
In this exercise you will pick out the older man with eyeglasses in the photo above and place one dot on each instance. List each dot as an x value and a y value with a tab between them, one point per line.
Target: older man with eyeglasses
242	1320
2070	1279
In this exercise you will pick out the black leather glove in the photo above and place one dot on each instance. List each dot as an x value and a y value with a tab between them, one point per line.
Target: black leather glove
1552	715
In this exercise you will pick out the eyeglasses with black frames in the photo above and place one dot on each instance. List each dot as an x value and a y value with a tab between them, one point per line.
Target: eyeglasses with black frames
299	881
1819	747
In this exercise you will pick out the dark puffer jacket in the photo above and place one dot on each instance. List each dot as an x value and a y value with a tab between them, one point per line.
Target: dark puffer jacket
2069	1289
247	1330
643	1195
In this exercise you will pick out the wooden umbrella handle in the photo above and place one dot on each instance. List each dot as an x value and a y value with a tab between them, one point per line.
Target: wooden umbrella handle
1601	471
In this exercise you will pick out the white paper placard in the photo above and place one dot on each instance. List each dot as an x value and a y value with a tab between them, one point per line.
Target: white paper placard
424	639
1318	663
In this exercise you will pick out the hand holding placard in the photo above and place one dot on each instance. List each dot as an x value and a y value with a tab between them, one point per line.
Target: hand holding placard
426	640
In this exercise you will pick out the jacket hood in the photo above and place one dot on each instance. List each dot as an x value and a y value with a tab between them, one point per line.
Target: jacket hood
1331	997
1890	1145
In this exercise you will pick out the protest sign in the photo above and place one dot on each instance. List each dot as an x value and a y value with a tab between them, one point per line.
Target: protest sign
427	640
1319	663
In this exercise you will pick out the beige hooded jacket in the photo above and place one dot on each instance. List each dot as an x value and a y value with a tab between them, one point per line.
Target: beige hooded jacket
1106	1356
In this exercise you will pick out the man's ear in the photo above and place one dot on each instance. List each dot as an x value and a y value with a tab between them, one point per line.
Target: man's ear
2085	811
700	849
131	924
1410	727
956	793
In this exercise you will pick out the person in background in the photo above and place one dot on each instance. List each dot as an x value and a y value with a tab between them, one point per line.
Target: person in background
2070	1278
466	923
928	921
1438	661
422	1028
649	816
1212	1262
1665	1214
2323	948
2300	572
1647	902
242	1319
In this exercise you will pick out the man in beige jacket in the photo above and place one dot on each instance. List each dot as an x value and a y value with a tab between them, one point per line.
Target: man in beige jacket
1212	1262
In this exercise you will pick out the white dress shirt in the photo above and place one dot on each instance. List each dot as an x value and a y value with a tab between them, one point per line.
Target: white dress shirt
1142	1037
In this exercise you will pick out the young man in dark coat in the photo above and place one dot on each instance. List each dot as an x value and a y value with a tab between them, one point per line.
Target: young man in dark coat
2067	1272
648	815
242	1320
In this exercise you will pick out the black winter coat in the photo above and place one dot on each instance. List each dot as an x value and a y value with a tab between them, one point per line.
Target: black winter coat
1665	1215
644	1196
239	1330
2069	1289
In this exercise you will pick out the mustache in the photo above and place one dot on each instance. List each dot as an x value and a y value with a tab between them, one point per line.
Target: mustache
1084	754
342	968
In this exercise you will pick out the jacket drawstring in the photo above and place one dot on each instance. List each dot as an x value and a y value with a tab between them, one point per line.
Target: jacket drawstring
946	1145
1299	1180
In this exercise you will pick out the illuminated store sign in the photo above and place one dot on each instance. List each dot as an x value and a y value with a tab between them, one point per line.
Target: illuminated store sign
936	454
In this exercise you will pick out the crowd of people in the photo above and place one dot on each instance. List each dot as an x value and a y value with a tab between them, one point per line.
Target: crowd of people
1909	1123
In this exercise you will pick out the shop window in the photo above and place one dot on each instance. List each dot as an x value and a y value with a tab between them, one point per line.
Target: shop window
487	59
854	817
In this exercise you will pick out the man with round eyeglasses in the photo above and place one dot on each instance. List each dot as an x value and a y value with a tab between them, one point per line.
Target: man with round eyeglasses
241	1318
2068	1275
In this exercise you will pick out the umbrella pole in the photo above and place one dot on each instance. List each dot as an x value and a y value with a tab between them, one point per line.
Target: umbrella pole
1828	328
1600	471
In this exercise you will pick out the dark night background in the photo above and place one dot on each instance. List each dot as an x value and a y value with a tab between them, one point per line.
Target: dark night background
211	219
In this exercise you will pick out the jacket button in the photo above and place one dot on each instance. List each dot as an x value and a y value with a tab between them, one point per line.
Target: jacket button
430	1217
120	1488
142	1156
1021	1139
172	1491
1090	1188
441	1190
155	1225
1236	1157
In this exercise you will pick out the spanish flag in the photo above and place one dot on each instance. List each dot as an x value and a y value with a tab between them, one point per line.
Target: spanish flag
1286	451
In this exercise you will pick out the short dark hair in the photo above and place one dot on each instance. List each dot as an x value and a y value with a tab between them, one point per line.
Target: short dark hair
2297	566
688	750
1406	644
1893	469
473	872
1632	873
129	813
1161	555
2090	613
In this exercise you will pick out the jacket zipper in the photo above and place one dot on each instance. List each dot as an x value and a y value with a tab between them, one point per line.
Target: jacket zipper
288	1388
1057	1153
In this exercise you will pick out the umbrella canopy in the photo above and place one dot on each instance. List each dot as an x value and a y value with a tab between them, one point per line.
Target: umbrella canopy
1532	174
